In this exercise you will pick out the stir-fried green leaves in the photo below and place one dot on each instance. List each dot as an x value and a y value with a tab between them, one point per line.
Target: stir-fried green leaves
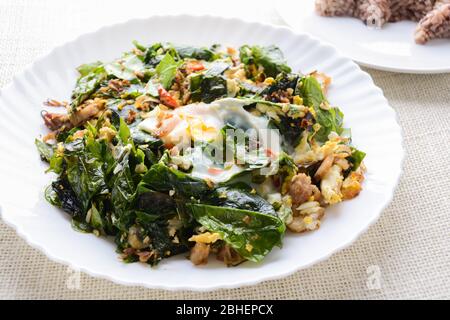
125	68
330	119
209	85
216	68
87	68
166	70
283	81
270	58
356	158
122	186
240	198
199	53
45	150
312	92
207	88
89	81
162	178
63	196
186	181
85	172
252	234
157	204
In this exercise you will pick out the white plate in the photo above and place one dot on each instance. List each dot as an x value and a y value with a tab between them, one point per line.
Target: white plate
391	48
23	180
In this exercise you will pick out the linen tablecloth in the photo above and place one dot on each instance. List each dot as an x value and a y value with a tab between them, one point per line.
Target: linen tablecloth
404	255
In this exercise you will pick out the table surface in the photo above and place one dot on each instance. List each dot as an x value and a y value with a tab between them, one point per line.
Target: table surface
405	255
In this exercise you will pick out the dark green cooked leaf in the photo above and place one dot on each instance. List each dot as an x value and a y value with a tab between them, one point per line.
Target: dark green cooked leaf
162	178
270	58
201	53
356	158
166	70
64	197
207	89
330	120
45	150
87	68
154	202
126	67
233	197
250	233
88	82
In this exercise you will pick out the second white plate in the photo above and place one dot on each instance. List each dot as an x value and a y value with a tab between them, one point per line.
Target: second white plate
391	48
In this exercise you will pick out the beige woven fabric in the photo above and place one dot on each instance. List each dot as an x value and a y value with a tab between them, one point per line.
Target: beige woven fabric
407	250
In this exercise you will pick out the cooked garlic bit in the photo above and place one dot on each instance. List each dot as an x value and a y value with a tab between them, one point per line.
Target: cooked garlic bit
307	217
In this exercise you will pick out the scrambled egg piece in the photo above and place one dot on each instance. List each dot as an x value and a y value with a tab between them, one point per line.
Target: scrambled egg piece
206	237
351	186
331	185
199	130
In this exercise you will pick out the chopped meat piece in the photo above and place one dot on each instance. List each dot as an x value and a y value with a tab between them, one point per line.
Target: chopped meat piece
144	256
58	121
199	253
301	189
118	85
131	116
229	256
86	112
55	121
